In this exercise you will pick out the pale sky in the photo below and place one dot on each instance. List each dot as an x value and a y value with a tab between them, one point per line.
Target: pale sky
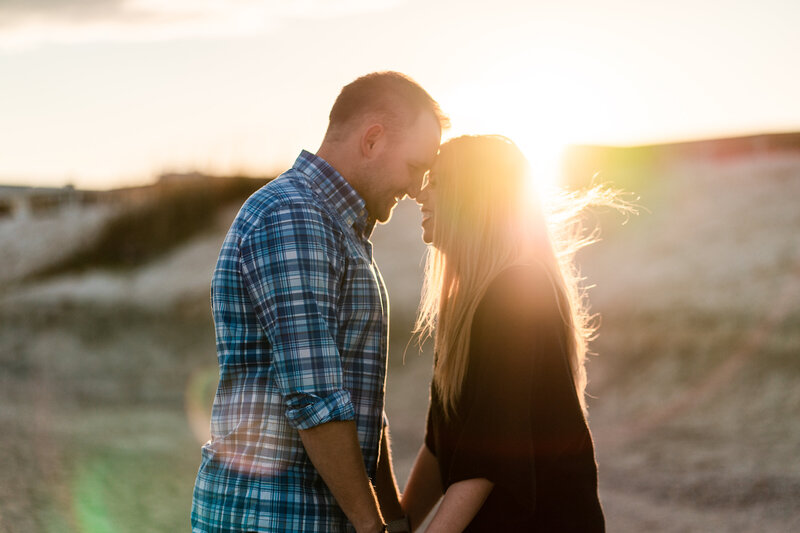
107	93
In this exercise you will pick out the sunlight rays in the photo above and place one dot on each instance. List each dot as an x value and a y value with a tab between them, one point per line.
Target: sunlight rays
542	100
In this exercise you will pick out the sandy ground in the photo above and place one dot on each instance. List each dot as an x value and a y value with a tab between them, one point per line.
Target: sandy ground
31	243
107	377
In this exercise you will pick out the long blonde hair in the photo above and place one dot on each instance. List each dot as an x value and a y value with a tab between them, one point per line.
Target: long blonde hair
488	219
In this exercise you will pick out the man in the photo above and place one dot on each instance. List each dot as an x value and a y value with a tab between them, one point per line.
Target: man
298	432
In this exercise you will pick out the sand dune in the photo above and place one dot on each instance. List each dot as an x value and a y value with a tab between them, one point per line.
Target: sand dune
694	384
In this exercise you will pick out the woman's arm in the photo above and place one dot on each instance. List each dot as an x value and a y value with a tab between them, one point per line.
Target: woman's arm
424	487
460	505
385	483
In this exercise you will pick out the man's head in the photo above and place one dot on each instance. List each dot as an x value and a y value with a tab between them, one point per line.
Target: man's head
383	135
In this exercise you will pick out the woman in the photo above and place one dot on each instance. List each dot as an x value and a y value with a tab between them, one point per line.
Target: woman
507	442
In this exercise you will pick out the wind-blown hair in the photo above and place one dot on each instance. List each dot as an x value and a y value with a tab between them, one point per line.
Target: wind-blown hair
487	219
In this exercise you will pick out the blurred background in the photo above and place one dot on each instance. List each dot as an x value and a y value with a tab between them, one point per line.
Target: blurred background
132	130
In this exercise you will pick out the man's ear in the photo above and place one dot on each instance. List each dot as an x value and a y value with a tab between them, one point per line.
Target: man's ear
370	138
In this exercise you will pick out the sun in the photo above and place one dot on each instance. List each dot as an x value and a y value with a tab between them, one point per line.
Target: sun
506	110
542	102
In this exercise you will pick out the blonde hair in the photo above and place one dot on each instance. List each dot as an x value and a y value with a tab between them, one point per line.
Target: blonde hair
488	219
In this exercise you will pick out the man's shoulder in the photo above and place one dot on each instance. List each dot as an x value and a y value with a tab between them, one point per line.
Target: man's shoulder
288	194
287	190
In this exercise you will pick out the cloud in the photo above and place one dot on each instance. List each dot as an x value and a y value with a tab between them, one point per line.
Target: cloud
27	23
17	13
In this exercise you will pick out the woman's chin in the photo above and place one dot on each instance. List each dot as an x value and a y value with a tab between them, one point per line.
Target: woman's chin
426	235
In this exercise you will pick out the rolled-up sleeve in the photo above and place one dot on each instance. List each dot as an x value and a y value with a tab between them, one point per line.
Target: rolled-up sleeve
291	266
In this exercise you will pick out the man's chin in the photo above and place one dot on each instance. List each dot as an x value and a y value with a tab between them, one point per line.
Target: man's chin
384	216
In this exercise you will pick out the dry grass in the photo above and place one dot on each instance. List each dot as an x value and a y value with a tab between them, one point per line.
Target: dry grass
695	390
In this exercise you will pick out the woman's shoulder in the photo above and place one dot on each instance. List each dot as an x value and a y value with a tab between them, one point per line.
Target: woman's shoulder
519	289
523	273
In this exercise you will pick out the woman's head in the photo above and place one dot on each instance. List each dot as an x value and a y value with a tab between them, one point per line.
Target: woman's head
480	216
477	196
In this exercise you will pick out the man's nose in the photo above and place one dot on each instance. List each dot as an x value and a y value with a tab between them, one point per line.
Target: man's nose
415	189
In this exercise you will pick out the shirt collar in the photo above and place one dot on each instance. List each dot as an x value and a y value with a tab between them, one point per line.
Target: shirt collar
333	188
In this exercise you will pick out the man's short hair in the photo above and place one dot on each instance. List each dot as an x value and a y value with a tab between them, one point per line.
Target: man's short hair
391	95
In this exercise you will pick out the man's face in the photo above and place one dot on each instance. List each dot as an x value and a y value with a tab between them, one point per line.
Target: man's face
398	170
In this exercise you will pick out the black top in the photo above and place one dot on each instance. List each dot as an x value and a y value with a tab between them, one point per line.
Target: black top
518	421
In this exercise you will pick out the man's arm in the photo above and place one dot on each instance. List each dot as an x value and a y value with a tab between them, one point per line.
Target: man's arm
334	450
385	482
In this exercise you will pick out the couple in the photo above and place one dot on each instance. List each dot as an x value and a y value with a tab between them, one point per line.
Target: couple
300	440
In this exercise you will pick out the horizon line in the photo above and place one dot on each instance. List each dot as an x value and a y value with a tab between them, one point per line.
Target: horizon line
153	180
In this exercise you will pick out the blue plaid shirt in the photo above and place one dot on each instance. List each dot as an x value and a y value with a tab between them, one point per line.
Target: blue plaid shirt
301	316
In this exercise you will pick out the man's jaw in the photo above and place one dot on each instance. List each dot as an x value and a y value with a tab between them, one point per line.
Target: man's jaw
393	203
386	213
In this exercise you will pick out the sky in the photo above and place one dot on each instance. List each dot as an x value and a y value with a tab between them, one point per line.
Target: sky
110	93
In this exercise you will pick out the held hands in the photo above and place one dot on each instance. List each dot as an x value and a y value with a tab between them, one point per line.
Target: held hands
371	527
401	525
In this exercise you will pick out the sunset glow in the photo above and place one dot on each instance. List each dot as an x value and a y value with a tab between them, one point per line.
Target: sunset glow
108	95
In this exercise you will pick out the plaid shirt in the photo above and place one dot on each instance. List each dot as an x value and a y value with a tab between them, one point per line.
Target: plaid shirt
301	316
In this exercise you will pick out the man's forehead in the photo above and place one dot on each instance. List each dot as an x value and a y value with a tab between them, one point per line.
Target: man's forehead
426	157
428	136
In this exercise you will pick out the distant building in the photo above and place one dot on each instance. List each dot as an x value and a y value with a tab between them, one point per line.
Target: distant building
182	178
20	202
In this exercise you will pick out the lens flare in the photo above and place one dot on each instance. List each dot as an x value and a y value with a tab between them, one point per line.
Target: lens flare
198	398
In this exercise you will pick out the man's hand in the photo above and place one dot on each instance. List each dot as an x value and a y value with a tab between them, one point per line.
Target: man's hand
334	450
